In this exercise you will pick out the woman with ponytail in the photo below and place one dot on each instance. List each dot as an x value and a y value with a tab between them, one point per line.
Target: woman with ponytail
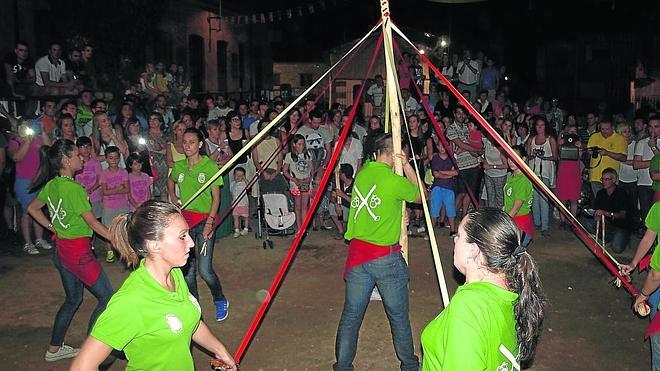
153	317
72	222
494	320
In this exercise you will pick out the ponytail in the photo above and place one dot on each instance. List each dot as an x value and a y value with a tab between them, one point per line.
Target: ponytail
523	278
119	236
50	162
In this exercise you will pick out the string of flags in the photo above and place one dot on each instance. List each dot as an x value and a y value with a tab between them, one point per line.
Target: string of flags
282	14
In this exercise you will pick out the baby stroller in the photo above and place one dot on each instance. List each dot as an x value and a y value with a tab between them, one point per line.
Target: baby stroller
274	217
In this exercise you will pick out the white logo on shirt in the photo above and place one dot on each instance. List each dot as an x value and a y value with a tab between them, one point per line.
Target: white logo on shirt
370	201
174	322
509	356
181	178
58	213
195	302
509	191
201	178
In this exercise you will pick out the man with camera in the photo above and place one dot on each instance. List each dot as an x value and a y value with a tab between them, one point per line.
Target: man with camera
607	149
468	74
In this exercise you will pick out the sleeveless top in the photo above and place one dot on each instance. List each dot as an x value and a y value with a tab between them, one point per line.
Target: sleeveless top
542	168
236	145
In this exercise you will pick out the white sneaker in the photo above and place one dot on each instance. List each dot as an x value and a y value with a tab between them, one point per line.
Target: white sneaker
236	233
29	248
244	232
375	295
42	244
421	229
64	352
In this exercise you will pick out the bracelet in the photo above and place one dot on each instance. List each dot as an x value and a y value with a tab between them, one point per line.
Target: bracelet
642	293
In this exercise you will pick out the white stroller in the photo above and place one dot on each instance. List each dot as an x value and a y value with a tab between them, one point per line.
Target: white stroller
275	218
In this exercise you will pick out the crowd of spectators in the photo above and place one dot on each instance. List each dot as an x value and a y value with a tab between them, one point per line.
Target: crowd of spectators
601	164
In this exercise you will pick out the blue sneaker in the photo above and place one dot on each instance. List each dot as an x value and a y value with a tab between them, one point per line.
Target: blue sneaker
221	309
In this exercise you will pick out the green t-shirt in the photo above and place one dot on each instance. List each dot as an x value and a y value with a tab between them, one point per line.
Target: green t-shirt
376	206
190	181
474	332
66	201
652	222
655	168
153	326
518	187
83	116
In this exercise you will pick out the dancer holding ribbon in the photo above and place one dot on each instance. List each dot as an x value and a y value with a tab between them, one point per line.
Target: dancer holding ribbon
72	222
494	320
374	257
153	317
190	174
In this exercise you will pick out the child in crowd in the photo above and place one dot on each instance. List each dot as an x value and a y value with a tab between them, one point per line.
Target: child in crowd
344	192
139	183
298	168
114	187
442	190
475	136
242	206
90	175
518	197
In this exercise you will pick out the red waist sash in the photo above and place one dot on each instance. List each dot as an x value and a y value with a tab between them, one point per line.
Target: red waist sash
76	256
360	252
525	223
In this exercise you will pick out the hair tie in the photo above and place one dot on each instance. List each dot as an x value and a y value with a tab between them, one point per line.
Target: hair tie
519	251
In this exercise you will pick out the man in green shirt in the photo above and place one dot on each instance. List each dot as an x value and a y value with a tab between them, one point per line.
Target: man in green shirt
374	258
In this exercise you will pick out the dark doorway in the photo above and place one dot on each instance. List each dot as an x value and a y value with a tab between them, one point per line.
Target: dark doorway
222	66
196	61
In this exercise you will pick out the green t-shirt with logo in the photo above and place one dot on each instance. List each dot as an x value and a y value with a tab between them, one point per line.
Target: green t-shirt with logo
153	326
652	222
477	331
83	116
655	168
190	181
376	204
66	200
518	187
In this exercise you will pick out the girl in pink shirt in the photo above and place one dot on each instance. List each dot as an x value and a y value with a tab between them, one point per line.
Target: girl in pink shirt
139	183
90	175
114	187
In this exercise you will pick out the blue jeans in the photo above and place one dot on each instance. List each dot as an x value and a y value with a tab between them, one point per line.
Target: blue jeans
390	275
73	287
655	352
205	264
540	208
617	236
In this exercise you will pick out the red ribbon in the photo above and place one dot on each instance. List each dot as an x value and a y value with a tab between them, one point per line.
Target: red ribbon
360	252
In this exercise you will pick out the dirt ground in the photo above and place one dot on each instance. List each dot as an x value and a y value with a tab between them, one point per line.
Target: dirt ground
589	325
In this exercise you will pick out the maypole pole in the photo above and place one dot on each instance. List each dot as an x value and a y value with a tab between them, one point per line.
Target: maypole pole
394	110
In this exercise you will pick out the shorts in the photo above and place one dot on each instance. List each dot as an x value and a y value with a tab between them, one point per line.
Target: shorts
109	214
22	195
471	177
243	211
442	197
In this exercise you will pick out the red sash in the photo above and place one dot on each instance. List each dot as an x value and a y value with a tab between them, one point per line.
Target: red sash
193	218
360	252
525	223
77	257
654	327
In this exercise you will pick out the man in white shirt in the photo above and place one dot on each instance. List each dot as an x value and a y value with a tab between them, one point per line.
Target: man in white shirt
51	75
468	74
376	93
410	102
644	151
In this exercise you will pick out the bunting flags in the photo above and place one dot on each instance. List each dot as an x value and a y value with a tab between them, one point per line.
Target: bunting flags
282	14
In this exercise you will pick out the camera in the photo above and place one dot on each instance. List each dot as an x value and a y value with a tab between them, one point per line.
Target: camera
571	139
595	152
539	152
